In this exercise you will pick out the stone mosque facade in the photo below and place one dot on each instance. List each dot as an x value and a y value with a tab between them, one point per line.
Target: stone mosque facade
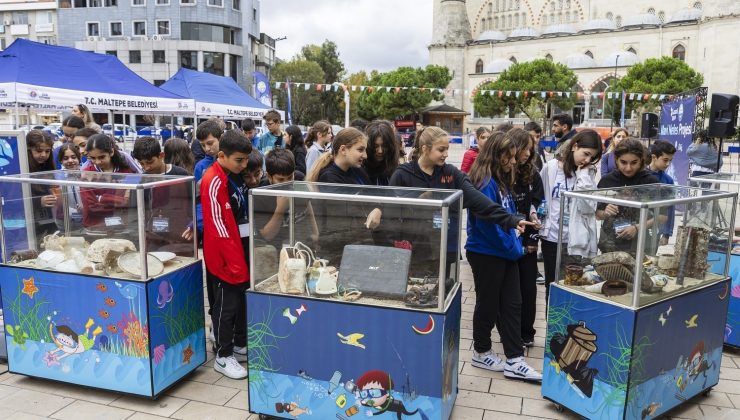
478	39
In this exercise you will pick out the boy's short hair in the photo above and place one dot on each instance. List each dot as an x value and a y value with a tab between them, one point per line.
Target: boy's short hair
255	161
533	126
146	148
74	122
271	115
359	123
234	141
280	162
248	125
662	147
208	127
85	132
564	119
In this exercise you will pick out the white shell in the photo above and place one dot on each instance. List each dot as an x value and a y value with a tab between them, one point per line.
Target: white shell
130	262
49	259
68	266
163	256
100	248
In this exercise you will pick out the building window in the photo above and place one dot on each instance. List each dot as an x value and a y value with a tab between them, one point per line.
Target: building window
632	50
163	27
661	16
479	66
116	29
19	18
513	59
697	5
190	31
134	56
162	2
114	53
619	21
93	29
213	62
589	53
234	67
187	2
610	16
254	15
548	57
236	5
158	57
139	27
111	3
138	3
216	3
651	11
679	52
158	82
189	60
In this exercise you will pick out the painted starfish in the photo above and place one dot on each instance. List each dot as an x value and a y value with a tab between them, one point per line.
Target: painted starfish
187	354
29	288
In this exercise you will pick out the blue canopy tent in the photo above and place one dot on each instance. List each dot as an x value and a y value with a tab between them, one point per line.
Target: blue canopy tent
43	76
215	95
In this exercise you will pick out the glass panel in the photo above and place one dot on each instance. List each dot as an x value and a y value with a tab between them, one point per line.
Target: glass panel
366	192
80	228
686	231
213	63
189	60
396	264
115	29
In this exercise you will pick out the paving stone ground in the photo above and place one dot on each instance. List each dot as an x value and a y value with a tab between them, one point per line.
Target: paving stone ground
206	394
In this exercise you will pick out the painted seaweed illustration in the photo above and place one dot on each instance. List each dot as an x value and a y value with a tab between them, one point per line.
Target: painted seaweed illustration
28	312
558	319
262	340
180	324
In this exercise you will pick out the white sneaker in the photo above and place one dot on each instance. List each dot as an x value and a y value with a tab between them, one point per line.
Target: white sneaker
540	280
229	367
518	368
240	354
488	360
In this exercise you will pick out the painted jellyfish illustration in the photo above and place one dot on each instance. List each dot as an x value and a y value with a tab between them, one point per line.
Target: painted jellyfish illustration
166	293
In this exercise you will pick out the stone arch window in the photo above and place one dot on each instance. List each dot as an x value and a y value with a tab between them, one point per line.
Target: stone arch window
552	5
632	50
497	5
513	59
619	21
589	53
548	57
495	23
490	8
479	66
552	18
524	19
516	20
661	16
517	4
651	10
560	4
679	52
610	16
698	5
567	4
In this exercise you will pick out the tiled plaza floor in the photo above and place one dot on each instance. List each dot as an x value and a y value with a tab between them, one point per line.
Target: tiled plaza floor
206	394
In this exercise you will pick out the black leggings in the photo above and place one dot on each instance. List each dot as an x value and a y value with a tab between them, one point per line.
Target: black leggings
528	287
498	302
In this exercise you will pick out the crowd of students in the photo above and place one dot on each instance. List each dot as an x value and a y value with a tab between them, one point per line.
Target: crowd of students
504	180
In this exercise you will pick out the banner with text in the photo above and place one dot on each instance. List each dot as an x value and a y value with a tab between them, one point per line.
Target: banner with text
677	127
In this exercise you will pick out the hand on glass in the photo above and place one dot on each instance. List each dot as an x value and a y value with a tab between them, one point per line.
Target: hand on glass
49	200
188	234
611	210
373	219
628	232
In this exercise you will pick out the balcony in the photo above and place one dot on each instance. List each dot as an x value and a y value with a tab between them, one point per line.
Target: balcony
44	27
19	29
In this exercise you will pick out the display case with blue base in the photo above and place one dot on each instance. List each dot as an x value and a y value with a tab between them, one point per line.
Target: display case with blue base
634	340
376	337
113	325
717	259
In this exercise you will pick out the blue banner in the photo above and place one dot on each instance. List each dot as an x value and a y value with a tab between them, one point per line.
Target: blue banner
14	218
262	88
677	127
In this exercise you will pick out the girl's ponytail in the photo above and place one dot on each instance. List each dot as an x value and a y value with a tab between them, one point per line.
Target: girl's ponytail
324	161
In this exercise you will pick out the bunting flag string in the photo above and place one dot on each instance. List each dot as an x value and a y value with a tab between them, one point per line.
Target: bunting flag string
335	87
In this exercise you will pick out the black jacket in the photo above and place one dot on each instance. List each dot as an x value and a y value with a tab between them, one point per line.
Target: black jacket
615	179
525	196
449	177
335	175
299	153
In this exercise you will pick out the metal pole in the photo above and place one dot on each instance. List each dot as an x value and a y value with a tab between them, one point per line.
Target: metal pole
2	237
193	185
250	199
142	233
639	257
346	107
611	117
443	259
65	208
729	237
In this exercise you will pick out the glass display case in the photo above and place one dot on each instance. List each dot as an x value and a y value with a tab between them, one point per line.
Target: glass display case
315	240
668	229
126	226
348	284
635	322
100	279
729	182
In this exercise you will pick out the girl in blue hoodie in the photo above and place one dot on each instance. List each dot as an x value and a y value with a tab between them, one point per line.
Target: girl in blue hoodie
493	252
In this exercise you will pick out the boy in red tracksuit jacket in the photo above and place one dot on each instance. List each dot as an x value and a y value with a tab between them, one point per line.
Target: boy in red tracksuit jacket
226	263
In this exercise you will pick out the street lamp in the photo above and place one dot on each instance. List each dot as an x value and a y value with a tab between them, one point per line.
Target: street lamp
611	117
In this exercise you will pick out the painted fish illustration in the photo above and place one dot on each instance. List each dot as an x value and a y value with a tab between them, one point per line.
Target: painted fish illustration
668	312
104	314
113	328
166	293
662	319
101	287
110	301
352	339
187	353
128	291
650	410
303	308
691	322
291	318
159	353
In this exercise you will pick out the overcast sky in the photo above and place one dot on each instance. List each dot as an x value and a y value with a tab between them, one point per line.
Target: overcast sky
371	34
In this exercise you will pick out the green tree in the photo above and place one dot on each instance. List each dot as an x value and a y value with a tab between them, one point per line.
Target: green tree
415	91
538	75
361	78
665	75
327	57
305	104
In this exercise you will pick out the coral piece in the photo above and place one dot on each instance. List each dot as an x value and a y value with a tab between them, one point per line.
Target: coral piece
99	250
621	266
692	249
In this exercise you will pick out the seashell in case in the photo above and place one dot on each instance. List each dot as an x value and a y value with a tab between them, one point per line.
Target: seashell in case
99	250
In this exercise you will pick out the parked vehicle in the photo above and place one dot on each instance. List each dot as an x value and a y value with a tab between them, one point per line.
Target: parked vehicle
407	130
120	132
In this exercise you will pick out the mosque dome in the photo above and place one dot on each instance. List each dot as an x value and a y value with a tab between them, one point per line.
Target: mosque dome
497	66
638	21
523	33
559	29
491	36
626	58
595	25
580	61
685	15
